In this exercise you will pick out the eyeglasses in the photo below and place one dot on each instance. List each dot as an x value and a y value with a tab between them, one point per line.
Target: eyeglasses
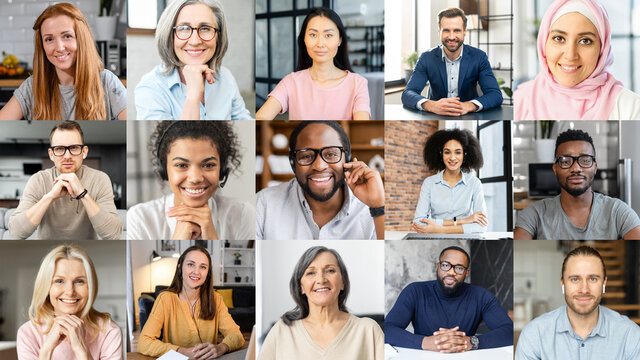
73	149
585	161
446	266
330	154
205	32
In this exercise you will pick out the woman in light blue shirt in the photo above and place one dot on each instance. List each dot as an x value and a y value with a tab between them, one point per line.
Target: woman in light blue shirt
190	84
451	201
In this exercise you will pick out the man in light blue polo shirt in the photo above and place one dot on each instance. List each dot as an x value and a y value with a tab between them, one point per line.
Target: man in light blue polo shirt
582	329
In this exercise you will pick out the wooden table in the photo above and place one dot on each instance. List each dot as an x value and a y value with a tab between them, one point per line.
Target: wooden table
235	355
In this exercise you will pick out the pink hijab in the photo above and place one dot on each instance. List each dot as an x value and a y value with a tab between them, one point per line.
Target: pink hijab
593	99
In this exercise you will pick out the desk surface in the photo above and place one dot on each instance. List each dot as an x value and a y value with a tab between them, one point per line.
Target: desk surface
401	112
236	355
502	353
398	235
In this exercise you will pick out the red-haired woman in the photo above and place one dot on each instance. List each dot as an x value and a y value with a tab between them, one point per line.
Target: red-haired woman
69	81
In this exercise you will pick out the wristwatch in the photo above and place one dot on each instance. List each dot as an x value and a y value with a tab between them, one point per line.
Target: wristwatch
474	342
377	211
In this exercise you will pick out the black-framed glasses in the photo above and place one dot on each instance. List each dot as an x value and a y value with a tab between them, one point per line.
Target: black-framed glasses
205	32
446	266
584	161
330	155
73	149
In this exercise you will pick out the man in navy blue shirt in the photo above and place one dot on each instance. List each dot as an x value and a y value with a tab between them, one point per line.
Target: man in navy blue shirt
445	313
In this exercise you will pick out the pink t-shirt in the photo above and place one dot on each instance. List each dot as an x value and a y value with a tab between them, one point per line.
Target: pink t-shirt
107	346
305	100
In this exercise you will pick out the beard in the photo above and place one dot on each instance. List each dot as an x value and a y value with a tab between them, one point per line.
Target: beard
449	290
577	191
322	197
456	46
575	309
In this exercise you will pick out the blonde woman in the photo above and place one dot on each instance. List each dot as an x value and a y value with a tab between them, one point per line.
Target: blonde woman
69	81
64	325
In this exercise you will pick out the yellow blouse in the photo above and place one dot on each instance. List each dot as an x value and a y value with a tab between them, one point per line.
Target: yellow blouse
179	329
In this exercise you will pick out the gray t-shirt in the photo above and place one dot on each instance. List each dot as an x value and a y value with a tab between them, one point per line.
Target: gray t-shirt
116	99
610	219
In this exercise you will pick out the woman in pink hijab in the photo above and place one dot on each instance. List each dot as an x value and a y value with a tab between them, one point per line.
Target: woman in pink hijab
574	50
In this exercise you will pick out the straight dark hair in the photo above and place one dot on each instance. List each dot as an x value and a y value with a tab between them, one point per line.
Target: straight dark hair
341	60
301	310
207	305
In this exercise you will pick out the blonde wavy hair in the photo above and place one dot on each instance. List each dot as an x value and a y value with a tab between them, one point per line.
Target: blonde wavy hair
90	95
41	311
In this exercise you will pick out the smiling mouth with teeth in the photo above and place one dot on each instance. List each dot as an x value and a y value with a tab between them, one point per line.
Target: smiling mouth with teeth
68	301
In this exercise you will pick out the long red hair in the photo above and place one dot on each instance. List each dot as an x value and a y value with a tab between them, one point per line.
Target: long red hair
90	96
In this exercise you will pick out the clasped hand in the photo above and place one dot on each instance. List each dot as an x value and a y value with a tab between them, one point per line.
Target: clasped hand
192	223
449	106
205	351
193	78
447	341
66	184
365	183
68	328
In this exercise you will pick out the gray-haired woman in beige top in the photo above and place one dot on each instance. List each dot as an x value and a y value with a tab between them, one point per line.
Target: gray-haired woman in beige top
320	326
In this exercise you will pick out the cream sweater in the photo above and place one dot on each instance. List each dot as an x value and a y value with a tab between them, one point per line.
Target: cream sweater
66	218
359	339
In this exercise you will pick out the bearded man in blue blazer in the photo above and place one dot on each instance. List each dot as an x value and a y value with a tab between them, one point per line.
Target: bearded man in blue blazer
453	71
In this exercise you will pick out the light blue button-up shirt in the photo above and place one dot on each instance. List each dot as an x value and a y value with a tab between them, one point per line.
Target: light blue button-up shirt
162	97
283	213
550	336
439	202
453	75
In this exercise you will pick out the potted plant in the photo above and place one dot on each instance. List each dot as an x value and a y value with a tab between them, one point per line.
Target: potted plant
410	60
506	89
237	261
238	278
545	145
105	22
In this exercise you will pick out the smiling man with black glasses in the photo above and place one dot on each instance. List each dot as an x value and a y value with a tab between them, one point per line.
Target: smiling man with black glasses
578	213
445	313
332	196
69	200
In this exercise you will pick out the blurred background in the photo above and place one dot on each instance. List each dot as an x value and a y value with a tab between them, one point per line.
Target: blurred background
19	267
107	19
277	25
624	17
143	17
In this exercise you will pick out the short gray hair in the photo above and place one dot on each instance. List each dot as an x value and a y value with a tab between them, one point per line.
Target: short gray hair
165	38
301	310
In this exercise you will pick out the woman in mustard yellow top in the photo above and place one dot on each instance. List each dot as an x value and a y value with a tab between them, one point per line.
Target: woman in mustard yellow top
189	314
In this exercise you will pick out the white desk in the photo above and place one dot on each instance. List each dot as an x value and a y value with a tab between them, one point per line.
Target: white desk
502	353
398	235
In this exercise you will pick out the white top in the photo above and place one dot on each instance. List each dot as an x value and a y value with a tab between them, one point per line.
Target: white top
627	106
233	219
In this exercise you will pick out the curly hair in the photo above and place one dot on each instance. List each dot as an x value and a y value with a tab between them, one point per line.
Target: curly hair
435	143
574	135
220	133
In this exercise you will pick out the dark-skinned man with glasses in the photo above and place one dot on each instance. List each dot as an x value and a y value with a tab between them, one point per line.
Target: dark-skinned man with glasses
578	213
69	200
445	313
333	196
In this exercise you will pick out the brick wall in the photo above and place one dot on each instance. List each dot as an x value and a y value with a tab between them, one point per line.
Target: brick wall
404	169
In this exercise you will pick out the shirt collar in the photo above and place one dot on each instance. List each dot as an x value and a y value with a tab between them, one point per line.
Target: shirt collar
564	325
464	180
173	78
346	205
444	56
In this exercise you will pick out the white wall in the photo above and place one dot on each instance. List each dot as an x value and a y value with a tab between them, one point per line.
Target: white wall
364	261
19	266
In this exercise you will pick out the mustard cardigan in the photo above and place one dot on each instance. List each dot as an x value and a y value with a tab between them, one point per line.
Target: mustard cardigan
173	317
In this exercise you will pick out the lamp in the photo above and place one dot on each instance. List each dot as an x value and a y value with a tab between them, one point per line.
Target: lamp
155	256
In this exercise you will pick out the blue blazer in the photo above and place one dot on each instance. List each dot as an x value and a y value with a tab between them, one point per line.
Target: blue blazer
474	69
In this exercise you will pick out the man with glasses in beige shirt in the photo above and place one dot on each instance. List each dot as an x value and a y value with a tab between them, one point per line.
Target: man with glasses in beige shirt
69	200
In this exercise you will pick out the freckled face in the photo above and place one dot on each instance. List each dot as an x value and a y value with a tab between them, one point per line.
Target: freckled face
572	49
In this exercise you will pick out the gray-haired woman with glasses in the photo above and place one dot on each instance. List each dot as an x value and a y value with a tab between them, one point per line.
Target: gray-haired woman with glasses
190	84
